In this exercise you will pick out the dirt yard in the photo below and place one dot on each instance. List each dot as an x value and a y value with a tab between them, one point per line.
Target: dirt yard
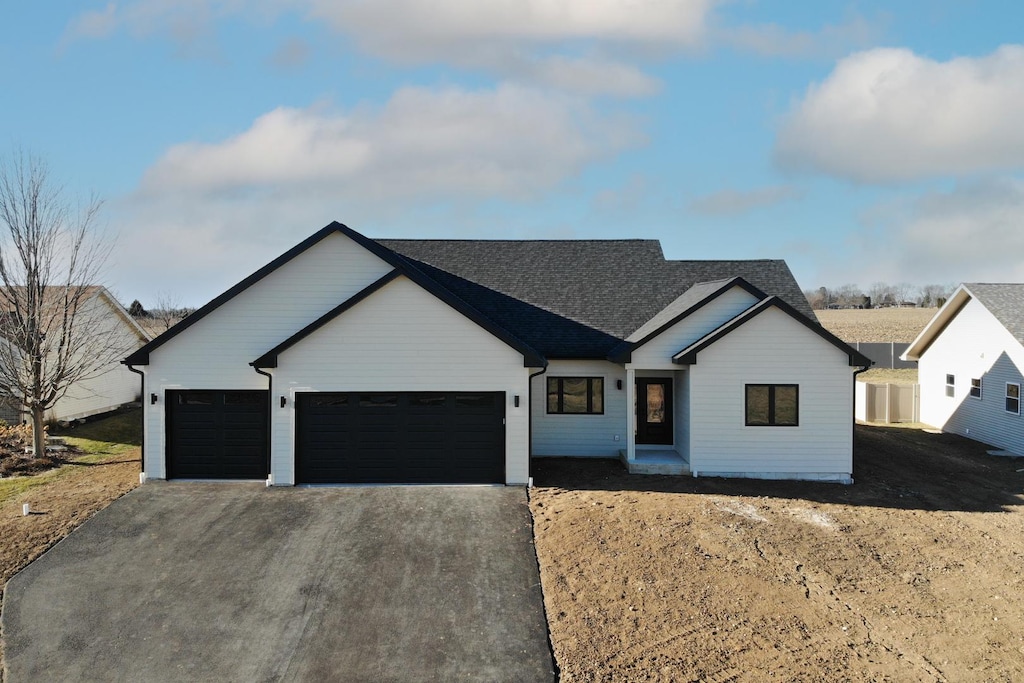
899	325
61	499
914	573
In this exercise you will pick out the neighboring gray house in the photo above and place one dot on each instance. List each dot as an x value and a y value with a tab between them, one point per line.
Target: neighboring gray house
970	357
350	360
103	391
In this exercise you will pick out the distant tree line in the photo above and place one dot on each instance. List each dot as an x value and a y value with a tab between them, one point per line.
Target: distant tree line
879	295
167	312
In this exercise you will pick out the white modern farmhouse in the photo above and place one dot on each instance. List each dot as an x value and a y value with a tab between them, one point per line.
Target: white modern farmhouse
353	360
970	357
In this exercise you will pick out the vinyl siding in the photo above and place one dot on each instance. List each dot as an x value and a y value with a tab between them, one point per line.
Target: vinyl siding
402	338
973	345
114	387
658	352
580	435
215	352
772	348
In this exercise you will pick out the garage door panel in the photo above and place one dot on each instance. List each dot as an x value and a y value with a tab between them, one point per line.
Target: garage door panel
217	434
400	437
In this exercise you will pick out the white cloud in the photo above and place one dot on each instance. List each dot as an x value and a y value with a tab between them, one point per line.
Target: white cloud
215	211
890	115
507	142
582	46
731	202
969	233
429	29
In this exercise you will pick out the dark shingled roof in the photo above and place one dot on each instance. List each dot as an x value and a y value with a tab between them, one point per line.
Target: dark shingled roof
1005	301
609	286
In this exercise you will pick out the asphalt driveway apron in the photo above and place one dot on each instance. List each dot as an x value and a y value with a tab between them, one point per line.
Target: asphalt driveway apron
236	582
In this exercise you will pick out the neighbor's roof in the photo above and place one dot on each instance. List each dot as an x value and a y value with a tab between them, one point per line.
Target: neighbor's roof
1005	301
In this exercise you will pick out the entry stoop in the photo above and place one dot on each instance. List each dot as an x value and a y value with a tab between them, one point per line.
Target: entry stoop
664	461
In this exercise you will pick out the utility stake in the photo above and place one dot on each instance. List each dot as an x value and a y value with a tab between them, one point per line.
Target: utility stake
25	510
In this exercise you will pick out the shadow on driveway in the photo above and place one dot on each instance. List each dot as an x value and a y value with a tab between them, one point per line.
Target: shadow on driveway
236	582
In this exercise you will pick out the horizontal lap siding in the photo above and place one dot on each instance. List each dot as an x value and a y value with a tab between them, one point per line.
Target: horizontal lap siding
973	345
402	338
658	352
112	388
772	348
215	352
580	435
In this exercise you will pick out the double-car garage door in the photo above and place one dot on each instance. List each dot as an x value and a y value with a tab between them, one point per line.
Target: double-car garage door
342	437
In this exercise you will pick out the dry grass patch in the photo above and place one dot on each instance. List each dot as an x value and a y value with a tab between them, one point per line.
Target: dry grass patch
899	325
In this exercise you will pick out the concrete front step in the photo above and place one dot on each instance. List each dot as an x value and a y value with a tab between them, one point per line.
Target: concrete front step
656	462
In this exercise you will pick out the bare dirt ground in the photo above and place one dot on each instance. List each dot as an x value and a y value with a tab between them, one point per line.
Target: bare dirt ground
899	325
61	500
914	573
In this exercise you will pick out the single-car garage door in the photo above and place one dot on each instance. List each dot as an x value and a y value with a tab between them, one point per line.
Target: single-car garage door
217	434
400	438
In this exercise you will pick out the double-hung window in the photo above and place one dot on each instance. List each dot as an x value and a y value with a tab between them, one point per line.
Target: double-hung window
576	395
772	405
950	385
1013	398
976	387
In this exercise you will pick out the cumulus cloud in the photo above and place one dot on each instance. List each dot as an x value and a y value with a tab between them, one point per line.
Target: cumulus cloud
890	115
731	202
505	142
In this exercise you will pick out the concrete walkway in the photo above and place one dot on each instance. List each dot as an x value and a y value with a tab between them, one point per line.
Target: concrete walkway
236	582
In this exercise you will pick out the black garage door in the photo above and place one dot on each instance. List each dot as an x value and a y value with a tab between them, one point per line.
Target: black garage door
216	435
400	438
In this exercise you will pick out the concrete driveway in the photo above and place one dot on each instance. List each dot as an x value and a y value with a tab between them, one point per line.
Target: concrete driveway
236	582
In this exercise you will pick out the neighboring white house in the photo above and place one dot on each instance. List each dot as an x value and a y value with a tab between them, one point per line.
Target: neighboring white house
352	360
970	360
104	391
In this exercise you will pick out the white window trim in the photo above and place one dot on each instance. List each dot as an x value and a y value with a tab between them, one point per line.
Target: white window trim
981	388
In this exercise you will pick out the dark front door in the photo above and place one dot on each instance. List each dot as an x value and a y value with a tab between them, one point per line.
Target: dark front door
654	410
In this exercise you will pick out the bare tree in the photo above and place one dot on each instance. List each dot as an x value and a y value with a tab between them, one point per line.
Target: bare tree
54	332
880	293
167	312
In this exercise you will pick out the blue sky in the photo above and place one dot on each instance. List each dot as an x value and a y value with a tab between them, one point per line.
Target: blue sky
859	141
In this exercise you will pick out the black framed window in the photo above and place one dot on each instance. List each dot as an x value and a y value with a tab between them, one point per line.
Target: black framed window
976	387
576	395
772	405
950	385
1013	398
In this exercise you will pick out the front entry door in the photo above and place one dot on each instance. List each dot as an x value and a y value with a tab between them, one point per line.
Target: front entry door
654	410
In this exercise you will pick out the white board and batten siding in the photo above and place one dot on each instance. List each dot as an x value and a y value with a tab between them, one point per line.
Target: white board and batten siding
215	352
657	353
974	345
401	338
772	348
581	435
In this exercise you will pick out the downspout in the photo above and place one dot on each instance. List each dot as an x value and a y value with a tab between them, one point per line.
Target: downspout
853	422
529	422
142	399
270	418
